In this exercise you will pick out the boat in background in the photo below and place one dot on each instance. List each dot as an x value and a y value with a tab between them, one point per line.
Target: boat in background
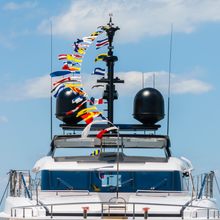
103	170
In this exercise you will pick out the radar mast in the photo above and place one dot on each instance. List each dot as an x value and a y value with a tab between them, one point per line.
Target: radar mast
110	93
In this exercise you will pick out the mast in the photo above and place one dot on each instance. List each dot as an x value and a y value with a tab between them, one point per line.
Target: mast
110	94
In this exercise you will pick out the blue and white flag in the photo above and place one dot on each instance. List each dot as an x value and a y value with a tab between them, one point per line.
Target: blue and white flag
102	43
59	73
99	71
71	63
68	62
58	90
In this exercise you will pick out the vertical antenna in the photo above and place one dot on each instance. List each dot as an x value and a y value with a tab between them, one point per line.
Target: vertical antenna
154	83
51	69
117	183
168	100
142	80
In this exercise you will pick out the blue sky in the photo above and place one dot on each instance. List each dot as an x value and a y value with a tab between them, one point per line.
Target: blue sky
142	46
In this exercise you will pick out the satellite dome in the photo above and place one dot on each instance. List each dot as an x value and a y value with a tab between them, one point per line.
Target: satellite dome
148	106
64	104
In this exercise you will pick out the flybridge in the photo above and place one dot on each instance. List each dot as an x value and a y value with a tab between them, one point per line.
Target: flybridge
113	141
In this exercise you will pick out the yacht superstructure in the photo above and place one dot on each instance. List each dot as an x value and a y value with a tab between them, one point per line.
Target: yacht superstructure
126	171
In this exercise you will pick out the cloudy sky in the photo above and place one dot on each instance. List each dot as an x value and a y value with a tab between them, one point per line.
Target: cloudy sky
142	46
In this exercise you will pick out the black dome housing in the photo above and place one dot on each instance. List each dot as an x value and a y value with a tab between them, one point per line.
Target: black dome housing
148	106
64	104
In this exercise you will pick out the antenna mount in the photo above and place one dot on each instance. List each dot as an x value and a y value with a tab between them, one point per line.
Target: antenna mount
110	94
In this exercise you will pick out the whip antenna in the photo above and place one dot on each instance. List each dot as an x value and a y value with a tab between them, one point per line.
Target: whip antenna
142	80
51	69
154	80
169	76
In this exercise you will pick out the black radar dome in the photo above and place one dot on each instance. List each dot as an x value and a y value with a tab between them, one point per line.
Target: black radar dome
64	104
148	106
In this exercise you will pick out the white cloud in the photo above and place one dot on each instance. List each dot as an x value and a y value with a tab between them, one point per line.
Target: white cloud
12	6
136	18
34	88
39	87
193	86
134	82
179	84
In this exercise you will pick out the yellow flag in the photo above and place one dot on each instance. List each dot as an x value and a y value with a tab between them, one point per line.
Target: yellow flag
69	57
81	51
76	85
77	60
92	115
101	56
75	89
94	34
85	110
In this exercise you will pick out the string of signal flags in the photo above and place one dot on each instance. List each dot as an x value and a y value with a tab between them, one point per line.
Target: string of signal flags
70	77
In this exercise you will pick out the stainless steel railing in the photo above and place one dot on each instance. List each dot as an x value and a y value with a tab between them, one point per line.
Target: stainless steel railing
120	207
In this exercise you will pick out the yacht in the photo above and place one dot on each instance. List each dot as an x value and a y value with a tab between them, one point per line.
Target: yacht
104	170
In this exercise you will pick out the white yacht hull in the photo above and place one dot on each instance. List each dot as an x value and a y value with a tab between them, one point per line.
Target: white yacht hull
93	206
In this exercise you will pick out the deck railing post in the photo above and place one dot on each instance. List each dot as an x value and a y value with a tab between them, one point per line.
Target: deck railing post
102	211
85	211
146	209
133	210
51	211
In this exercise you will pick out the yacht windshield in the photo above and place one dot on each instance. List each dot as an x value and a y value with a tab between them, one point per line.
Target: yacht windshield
106	181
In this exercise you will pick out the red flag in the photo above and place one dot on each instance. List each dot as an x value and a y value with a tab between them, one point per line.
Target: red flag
75	109
88	117
62	57
71	68
61	81
77	55
102	132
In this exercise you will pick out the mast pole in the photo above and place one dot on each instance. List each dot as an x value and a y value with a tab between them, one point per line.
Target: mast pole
110	94
110	64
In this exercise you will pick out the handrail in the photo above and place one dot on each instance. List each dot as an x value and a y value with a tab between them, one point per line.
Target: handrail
160	191
110	203
68	191
102	204
204	184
